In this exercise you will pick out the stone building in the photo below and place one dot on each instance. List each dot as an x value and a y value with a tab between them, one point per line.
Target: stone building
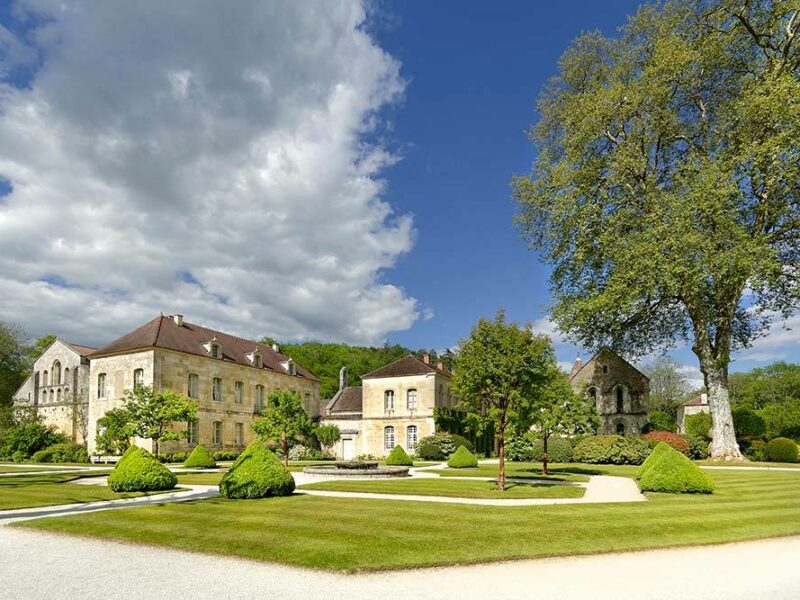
394	406
230	377
620	391
58	388
698	404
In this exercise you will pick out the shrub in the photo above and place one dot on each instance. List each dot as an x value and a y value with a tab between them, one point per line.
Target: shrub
462	458
698	448
27	438
611	449
660	421
747	423
698	425
460	440
19	457
677	442
175	457
674	473
558	450
398	458
782	450
757	450
658	451
221	455
65	452
200	458
520	449
436	447
257	473
139	471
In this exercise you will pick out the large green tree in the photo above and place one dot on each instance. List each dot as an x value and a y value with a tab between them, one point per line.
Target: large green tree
283	421
13	352
665	187
668	388
152	414
500	369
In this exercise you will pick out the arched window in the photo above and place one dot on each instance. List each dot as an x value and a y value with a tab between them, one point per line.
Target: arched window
138	378
388	400
411	438
58	396
620	400
56	373
388	437
44	397
45	379
66	376
411	399
593	394
620	428
216	429
605	369
101	385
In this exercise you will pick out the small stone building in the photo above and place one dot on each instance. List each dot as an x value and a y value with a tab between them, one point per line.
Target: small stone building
620	391
393	407
698	404
58	388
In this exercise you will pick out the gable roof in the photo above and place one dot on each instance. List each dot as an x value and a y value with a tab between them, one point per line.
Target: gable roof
347	403
80	348
408	365
701	400
163	332
606	349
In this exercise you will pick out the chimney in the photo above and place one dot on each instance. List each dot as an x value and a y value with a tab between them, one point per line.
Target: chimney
178	320
703	398
342	378
276	348
576	366
426	358
440	366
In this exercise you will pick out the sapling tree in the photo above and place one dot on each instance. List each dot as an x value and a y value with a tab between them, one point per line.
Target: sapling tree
283	421
152	414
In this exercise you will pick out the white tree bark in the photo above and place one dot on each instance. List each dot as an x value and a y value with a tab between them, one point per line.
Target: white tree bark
723	436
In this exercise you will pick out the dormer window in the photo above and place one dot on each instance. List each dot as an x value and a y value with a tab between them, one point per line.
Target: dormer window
213	348
255	358
289	367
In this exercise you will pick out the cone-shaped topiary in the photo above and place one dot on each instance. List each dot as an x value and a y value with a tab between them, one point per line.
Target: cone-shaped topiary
674	473
257	473
139	471
398	458
657	452
462	458
200	458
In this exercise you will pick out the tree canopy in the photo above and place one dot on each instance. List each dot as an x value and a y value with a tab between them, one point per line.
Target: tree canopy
151	415
665	187
283	421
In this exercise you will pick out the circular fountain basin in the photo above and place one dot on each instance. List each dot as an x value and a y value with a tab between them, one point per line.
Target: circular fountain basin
357	468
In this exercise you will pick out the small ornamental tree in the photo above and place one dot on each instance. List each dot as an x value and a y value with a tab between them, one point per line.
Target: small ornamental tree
114	431
500	369
152	415
283	421
327	435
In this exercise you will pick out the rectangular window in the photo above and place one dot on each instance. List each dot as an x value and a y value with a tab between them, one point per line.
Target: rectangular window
239	433
217	433
411	438
388	400
138	378
216	389
192	430
238	392
388	438
412	399
259	398
101	385
194	385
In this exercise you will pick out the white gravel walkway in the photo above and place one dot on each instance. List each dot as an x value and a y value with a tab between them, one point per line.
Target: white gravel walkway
42	565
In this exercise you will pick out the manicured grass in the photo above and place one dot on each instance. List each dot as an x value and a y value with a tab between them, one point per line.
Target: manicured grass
49	490
351	535
766	465
530	470
453	488
199	478
21	469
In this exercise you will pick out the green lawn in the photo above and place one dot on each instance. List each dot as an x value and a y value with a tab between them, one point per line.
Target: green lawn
351	535
49	490
199	478
766	465
531	470
21	469
451	488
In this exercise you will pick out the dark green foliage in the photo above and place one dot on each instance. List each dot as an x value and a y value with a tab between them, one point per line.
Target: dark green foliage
460	440
327	435
398	458
782	450
747	423
13	364
114	431
698	425
660	421
454	421
673	473
257	473
660	449
462	458
559	450
757	450
698	448
200	458
438	446
611	449
65	452
226	455
139	471
520	449
27	438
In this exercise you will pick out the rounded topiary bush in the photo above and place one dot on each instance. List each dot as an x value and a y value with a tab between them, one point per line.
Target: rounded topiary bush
65	452
558	450
674	473
520	449
660	449
611	449
781	450
676	441
460	440
757	450
139	471
436	447
462	458
200	458
257	473
399	458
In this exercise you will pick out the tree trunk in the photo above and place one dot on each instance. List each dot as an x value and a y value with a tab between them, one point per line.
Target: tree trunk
501	446
545	457
155	446
286	453
723	436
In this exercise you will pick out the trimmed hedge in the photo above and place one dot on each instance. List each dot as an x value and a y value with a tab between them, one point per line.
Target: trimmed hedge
757	450
674	440
611	449
221	455
698	425
460	440
559	450
462	459
439	446
399	458
519	449
257	473
782	450
200	458
139	471
674	473
65	452
660	449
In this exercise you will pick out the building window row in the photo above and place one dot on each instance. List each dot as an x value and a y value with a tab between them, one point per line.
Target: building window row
388	400
217	391
389	440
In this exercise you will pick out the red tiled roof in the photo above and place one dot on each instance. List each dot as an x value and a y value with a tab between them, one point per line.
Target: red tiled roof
696	401
349	400
81	349
164	332
408	365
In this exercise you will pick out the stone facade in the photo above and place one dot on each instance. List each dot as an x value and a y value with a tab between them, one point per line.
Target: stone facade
621	392
58	388
698	404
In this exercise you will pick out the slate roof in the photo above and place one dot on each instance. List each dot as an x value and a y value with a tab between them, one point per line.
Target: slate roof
164	332
81	349
346	404
408	365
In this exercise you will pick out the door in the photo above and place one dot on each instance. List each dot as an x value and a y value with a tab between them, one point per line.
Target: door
348	448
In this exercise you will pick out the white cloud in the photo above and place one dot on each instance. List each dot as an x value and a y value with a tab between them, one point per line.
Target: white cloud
779	343
186	157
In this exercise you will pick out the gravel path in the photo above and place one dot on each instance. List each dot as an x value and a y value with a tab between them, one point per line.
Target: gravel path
43	565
